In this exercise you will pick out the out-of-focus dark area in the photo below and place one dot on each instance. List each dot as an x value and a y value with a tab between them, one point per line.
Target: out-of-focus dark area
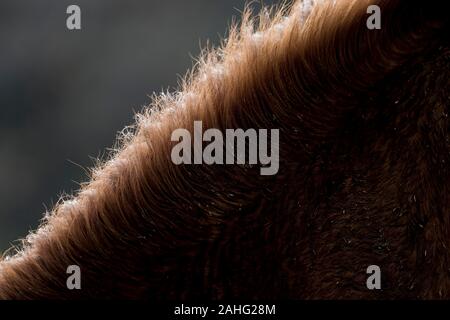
65	94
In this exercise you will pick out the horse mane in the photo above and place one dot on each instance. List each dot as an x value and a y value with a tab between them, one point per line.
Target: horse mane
357	110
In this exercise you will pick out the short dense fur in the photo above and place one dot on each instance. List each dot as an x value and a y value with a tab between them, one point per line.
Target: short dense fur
364	178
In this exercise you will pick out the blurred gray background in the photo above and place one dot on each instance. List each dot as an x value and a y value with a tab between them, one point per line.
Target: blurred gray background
65	94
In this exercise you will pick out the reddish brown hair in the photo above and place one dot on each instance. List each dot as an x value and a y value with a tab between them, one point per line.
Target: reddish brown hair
364	178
